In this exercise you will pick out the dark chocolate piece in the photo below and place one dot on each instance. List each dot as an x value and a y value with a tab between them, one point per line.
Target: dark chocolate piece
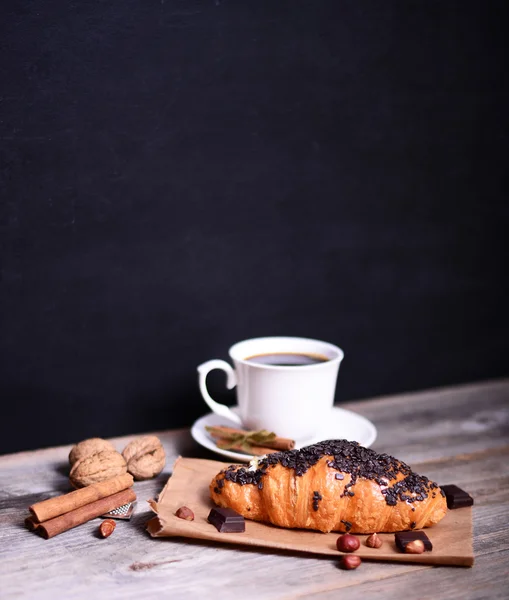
122	512
402	538
456	497
226	520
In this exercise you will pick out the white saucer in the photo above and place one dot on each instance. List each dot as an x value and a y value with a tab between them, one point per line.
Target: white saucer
342	424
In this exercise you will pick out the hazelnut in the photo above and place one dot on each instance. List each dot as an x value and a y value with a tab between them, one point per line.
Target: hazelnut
347	543
350	561
107	527
185	513
145	457
415	547
373	541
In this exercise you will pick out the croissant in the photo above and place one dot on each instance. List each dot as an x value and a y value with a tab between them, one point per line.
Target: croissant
335	485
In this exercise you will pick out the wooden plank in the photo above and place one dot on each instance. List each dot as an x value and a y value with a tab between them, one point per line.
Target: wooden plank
130	564
434	424
440	582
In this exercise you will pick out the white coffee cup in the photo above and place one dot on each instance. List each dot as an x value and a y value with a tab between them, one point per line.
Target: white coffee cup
292	401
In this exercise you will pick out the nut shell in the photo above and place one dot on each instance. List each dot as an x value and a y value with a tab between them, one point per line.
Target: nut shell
415	547
185	513
350	561
347	543
107	527
145	457
373	541
97	467
88	447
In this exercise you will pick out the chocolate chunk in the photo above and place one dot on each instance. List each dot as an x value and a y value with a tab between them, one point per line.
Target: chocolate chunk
456	497
402	538
226	520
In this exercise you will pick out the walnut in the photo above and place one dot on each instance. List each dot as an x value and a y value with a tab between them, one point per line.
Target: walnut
97	467
145	457
88	447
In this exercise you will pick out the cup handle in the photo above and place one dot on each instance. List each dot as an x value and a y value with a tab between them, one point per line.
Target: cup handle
231	381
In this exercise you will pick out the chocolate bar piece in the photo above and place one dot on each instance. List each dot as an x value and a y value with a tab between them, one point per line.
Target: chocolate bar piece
226	520
122	512
402	538
456	497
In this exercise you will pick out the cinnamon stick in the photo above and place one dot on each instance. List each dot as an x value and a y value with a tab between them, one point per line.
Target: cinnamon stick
53	527
255	450
31	523
229	433
48	509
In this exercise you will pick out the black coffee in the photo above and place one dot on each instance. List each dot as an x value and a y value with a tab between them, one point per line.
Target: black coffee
287	359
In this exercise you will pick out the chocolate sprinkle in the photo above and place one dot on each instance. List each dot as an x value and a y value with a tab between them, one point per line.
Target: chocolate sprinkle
316	498
345	457
347	525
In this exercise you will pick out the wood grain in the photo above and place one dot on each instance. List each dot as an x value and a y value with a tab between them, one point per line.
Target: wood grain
456	435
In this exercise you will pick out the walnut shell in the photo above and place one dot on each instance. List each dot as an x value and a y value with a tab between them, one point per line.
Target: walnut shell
97	467
145	457
88	447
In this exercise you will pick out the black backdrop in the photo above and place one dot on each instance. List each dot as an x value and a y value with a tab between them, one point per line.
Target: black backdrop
179	175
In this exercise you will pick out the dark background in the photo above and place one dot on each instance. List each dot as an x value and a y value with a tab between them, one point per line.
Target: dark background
180	175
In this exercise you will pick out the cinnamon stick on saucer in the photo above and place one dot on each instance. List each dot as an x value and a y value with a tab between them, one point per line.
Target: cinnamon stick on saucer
53	527
265	439
48	509
247	449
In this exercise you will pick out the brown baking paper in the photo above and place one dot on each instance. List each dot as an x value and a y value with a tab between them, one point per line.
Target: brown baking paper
189	486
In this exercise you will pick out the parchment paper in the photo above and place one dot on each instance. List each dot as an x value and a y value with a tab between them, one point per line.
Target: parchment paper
189	486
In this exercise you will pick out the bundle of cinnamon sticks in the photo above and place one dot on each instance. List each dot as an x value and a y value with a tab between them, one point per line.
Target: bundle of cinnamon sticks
56	515
250	442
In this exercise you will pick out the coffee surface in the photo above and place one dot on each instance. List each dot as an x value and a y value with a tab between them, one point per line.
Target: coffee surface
287	359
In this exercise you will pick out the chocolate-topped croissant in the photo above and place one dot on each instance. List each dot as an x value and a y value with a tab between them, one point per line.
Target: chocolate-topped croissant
334	485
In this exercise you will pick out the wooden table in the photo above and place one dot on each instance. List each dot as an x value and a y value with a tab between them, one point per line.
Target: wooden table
454	435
